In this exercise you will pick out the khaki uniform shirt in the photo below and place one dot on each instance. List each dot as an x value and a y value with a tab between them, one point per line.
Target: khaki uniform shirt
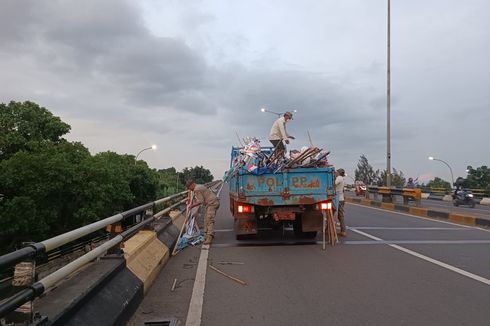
278	130
206	196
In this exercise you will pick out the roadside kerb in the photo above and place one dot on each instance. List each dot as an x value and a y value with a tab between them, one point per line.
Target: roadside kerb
423	212
485	201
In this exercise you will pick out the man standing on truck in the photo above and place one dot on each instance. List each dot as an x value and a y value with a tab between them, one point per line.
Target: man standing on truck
278	132
339	190
207	198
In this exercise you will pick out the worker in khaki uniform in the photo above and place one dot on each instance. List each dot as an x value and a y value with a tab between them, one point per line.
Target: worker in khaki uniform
278	133
339	190
207	198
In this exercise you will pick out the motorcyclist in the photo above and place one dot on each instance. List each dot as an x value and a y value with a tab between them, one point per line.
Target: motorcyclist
410	183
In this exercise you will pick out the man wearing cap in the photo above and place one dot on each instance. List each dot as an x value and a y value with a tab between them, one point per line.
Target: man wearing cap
339	190
278	132
207	198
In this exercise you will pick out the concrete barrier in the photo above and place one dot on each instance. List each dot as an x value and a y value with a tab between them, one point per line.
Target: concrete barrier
145	256
462	219
447	198
485	201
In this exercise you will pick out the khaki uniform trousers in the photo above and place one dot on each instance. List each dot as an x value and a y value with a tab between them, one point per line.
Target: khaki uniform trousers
340	216
209	219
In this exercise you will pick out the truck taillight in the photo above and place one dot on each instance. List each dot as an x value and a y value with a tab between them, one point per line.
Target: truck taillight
245	209
325	206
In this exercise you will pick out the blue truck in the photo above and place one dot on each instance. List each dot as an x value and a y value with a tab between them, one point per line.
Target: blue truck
271	199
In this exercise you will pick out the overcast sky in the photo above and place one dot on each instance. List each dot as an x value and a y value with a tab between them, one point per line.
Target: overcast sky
189	75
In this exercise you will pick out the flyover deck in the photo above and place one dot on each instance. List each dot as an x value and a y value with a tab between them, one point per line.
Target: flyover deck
366	280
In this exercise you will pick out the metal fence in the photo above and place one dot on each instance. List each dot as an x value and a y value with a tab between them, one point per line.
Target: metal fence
32	251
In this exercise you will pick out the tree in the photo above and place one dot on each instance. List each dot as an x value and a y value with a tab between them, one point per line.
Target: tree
198	173
22	124
478	178
40	191
398	179
167	182
365	171
49	185
439	183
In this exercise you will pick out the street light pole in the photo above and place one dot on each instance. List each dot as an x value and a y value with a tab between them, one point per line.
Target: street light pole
450	170
388	102
144	149
278	114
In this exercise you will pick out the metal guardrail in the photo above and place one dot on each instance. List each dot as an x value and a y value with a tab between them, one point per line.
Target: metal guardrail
390	195
49	281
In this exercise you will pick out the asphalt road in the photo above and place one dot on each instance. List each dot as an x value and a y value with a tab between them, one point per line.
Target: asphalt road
391	269
446	206
480	211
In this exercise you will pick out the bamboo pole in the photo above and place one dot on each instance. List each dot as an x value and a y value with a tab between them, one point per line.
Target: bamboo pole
187	215
227	275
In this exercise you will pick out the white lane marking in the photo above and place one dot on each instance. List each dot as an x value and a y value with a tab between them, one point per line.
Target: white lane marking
195	307
407	228
458	242
219	191
431	260
422	218
224	230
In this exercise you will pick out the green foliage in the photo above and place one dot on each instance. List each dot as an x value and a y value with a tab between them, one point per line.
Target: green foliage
397	178
439	183
478	178
60	187
198	173
40	191
49	186
365	171
24	124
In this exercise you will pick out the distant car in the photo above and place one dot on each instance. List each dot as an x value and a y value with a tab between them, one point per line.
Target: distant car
360	188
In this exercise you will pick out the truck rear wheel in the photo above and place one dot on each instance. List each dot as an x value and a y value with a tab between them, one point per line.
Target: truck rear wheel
298	229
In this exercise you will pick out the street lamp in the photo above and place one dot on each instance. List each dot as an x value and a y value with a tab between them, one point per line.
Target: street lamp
431	158
153	147
388	99
278	114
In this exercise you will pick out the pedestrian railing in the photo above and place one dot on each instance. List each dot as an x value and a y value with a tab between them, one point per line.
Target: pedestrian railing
29	253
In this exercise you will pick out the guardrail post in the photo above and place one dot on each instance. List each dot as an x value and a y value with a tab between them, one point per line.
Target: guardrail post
114	230
24	277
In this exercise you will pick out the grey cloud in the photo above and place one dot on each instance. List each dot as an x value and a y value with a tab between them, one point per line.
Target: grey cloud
84	40
96	60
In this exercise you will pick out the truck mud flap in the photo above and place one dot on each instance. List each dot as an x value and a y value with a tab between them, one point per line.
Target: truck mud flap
311	221
247	225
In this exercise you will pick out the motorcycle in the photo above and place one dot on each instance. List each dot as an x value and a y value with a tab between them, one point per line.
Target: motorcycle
463	197
360	188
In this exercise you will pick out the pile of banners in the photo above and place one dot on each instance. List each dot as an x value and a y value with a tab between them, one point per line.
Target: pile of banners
255	160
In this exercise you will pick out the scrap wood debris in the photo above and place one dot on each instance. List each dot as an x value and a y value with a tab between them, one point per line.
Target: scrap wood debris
228	275
254	159
331	229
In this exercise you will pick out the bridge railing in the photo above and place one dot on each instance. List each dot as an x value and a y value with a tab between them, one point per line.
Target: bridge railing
31	251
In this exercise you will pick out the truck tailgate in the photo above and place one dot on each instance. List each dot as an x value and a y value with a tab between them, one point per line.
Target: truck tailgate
292	187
